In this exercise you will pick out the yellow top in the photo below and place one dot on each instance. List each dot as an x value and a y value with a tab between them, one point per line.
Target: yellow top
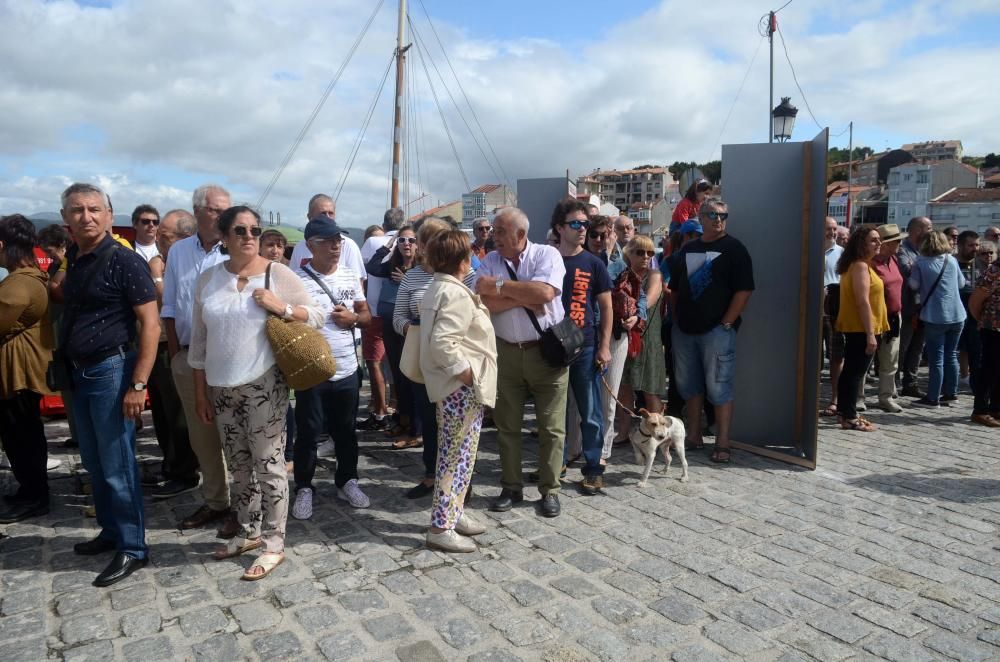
848	320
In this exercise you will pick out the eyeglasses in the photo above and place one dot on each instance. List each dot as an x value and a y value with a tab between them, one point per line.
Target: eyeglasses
987	253
483	228
241	231
953	236
149	221
215	211
407	240
577	225
640	253
597	235
717	215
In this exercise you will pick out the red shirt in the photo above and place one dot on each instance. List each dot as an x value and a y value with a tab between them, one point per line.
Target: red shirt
685	209
888	270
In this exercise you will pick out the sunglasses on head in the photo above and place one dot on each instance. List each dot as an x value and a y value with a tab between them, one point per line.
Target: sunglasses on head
407	240
597	235
717	215
241	230
577	225
149	221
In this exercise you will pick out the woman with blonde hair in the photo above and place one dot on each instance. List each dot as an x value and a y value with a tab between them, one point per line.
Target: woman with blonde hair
238	385
458	360
645	372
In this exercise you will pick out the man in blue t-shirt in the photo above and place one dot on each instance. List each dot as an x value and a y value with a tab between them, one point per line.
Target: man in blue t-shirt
586	297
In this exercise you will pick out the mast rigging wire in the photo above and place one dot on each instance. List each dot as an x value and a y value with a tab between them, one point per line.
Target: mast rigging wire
356	147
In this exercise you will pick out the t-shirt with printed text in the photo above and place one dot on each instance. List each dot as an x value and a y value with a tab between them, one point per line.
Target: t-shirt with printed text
586	277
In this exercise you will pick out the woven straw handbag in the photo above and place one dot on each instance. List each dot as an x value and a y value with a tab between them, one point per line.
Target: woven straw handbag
302	353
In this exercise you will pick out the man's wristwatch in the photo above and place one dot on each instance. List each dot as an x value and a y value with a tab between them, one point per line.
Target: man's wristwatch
289	312
500	283
138	386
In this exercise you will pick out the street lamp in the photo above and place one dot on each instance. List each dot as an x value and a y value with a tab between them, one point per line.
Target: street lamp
783	119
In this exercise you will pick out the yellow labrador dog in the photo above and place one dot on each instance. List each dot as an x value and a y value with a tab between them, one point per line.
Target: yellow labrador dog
658	431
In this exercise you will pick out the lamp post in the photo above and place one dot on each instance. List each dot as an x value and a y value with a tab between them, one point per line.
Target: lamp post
783	119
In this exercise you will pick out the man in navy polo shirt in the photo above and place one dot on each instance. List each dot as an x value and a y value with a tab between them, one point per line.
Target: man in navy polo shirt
109	289
586	294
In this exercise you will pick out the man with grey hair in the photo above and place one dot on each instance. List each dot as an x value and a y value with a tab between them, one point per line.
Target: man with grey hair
350	255
516	276
710	283
188	259
482	243
911	334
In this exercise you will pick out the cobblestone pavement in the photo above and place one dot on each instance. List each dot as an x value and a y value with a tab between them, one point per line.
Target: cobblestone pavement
886	551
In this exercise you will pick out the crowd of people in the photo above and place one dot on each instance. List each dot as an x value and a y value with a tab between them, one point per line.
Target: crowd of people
461	327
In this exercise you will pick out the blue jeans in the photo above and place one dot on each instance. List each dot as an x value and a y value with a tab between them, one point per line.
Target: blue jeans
107	448
585	391
705	364
941	345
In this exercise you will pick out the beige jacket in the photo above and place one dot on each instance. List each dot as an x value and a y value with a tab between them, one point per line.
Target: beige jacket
455	334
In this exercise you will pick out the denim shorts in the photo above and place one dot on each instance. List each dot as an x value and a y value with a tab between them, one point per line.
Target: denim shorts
705	364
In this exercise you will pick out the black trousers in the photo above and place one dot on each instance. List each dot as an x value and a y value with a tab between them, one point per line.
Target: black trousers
23	436
987	383
330	407
856	364
405	400
427	411
179	461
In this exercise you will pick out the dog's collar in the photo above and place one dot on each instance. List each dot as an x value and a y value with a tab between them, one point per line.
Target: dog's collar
642	422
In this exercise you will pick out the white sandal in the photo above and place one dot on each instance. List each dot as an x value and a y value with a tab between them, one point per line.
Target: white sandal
268	561
235	547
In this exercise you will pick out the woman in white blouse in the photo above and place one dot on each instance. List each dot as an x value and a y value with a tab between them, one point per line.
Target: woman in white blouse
458	360
238	384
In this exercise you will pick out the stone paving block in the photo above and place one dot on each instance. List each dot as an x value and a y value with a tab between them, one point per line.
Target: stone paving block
362	602
605	645
462	633
695	653
678	610
234	588
884	594
141	623
341	646
735	578
699	563
15	603
897	649
554	543
735	638
656	569
494	656
73	602
891	620
959	600
946	617
991	636
539	567
484	603
617	610
447	576
523	631
657	635
133	596
205	621
432	608
377	563
705	589
177	576
153	648
636	585
421	651
958	648
567	618
80	629
26	650
787	603
297	593
255	616
575	587
98	651
754	615
325	564
402	582
817	646
385	628
897	578
846	628
278	646
587	561
528	593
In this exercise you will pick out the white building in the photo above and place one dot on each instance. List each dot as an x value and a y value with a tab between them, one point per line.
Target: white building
966	208
935	150
623	188
481	202
913	185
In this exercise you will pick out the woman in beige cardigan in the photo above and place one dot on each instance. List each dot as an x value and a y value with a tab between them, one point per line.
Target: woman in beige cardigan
458	359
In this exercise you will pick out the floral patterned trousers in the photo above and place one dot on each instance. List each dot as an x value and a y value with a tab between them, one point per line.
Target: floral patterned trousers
251	422
460	419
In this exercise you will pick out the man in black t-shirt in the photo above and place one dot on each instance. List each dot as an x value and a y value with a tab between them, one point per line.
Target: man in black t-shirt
586	296
711	281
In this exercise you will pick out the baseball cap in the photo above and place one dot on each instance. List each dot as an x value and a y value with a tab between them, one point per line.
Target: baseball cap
323	227
690	226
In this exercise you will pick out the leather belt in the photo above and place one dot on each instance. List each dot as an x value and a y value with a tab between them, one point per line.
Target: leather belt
521	345
89	361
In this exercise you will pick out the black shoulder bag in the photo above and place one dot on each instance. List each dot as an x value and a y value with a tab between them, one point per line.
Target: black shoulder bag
917	323
58	376
319	281
561	343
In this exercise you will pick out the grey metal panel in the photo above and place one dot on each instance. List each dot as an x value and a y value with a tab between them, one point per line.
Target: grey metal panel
537	198
776	389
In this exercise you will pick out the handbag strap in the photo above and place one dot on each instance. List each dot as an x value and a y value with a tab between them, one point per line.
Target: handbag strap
531	313
938	280
319	281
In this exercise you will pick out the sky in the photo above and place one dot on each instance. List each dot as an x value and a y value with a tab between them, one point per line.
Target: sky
152	98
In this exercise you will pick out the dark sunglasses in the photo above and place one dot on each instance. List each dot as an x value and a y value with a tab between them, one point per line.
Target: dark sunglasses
953	236
577	225
241	231
644	253
597	235
717	215
407	240
483	228
149	221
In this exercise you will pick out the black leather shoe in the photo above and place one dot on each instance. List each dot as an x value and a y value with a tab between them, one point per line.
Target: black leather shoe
94	547
420	490
550	506
21	510
506	500
120	567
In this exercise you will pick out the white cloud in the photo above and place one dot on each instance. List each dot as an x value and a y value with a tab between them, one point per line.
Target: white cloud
157	97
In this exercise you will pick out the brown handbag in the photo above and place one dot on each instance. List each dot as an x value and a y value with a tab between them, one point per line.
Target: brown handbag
302	353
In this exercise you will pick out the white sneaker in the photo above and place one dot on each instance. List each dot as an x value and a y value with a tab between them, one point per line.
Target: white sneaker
52	463
889	405
303	507
326	449
353	495
468	526
449	541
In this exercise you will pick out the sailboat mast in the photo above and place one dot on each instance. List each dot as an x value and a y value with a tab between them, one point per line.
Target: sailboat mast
397	133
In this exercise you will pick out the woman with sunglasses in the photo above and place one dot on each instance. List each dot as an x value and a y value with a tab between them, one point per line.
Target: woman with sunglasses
238	385
408	430
597	237
647	371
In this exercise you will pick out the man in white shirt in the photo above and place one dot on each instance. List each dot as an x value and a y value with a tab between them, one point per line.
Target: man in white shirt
331	407
350	255
372	345
188	259
146	220
831	286
539	271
